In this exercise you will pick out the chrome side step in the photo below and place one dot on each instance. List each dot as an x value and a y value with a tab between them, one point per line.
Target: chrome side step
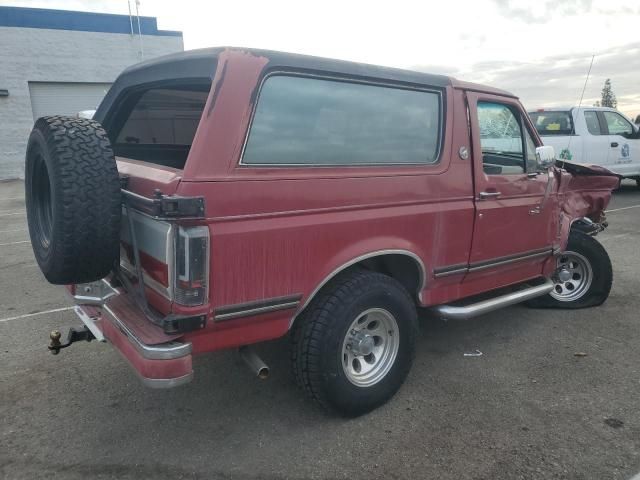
485	306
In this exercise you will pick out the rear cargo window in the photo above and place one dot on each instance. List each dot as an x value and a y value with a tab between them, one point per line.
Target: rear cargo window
160	124
317	122
552	123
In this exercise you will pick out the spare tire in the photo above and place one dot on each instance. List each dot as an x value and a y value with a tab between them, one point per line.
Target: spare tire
73	199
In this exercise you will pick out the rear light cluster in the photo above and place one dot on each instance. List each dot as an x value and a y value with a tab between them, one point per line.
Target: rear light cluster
192	266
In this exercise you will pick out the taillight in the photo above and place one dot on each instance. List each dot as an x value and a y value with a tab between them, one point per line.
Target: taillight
192	266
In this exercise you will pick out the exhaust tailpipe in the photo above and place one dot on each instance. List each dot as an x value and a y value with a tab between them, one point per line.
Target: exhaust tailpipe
254	362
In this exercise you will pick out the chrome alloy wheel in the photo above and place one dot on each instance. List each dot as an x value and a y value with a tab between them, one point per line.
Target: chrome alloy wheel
573	277
370	347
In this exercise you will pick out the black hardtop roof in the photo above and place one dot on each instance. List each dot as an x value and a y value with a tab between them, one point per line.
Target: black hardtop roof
299	61
201	63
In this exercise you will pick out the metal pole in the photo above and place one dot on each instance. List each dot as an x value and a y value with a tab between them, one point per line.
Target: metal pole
139	30
130	17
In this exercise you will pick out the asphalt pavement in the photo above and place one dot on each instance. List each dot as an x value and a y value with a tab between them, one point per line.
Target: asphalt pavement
527	408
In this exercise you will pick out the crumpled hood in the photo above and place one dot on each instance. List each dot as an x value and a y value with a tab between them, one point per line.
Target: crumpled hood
581	169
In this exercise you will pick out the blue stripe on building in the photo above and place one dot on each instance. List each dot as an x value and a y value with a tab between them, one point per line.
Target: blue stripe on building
80	21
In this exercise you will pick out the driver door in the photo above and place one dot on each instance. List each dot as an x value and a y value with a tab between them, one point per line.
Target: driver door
624	143
515	224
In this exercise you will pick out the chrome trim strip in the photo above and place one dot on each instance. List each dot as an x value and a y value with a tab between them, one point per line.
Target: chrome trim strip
256	307
450	270
421	284
486	264
164	351
497	262
162	383
469	311
292	72
89	323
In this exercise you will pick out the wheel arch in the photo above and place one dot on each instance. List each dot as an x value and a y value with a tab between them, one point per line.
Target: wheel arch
403	265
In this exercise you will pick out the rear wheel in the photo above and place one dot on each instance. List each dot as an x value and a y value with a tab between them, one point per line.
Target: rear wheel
583	275
354	345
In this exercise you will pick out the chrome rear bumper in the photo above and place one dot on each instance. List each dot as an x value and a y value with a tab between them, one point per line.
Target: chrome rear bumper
159	359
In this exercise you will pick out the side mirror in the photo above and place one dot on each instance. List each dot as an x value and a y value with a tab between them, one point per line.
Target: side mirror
545	156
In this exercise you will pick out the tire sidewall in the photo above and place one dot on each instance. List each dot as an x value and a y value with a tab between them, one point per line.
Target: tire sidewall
600	264
37	146
346	395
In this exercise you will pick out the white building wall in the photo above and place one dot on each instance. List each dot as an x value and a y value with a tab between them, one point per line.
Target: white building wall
34	54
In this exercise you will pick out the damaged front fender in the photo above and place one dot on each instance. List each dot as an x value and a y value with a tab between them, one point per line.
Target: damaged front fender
584	191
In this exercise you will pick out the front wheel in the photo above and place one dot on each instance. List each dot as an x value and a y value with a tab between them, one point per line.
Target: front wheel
354	345
583	275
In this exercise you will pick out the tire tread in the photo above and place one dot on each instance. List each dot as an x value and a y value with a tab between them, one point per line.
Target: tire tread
86	232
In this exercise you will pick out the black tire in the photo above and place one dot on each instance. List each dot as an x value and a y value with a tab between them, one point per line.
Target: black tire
319	335
73	199
602	276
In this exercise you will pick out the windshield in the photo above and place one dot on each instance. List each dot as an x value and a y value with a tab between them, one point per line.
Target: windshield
552	123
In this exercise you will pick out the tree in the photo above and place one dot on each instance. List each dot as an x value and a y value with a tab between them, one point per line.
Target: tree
608	97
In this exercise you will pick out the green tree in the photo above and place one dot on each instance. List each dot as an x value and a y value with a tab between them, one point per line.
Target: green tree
608	97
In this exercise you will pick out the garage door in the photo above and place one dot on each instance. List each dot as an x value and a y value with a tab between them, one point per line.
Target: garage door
61	98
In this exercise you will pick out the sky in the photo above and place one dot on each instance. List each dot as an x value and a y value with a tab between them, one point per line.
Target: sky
539	50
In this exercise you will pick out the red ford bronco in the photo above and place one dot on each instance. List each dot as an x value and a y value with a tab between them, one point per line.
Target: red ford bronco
225	197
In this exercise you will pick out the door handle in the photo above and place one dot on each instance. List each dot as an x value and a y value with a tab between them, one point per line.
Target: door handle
535	210
485	195
614	144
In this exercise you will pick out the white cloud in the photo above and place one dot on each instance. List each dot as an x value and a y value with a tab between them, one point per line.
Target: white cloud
540	49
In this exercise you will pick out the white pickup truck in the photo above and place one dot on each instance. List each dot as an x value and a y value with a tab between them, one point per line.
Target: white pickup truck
592	135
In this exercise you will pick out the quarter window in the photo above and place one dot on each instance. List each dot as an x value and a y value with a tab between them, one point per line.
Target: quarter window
501	139
318	122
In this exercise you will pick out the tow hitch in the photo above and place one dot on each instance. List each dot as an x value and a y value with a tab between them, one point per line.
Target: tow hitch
74	335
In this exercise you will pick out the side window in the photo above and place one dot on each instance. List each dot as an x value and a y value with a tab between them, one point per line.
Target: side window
617	124
593	125
316	122
532	162
501	139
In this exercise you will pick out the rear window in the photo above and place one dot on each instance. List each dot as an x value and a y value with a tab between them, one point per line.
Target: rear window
317	122
552	123
157	125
